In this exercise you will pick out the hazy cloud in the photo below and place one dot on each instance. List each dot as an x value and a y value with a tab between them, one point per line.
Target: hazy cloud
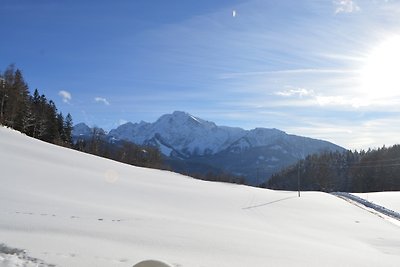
65	95
102	100
300	92
320	99
346	6
286	71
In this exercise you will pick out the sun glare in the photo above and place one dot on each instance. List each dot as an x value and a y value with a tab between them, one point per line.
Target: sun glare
380	77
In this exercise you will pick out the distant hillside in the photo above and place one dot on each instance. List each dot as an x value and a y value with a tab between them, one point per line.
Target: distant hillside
194	145
364	171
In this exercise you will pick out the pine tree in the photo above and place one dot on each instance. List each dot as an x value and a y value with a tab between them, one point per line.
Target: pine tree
52	134
19	102
29	119
6	96
3	97
60	136
68	126
33	115
36	110
42	118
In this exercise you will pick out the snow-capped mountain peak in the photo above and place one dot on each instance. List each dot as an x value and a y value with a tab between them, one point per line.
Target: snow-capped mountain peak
191	136
182	132
183	119
181	136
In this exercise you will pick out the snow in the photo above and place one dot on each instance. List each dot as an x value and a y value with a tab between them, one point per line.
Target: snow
195	119
381	211
183	132
164	149
17	257
13	260
264	137
72	209
389	200
151	263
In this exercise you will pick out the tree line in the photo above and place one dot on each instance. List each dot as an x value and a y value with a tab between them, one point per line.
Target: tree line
38	117
349	171
122	151
34	115
144	156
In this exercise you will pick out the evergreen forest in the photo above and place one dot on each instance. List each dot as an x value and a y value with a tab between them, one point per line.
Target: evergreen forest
350	171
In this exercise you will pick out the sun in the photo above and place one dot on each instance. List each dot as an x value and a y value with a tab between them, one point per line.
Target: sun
380	76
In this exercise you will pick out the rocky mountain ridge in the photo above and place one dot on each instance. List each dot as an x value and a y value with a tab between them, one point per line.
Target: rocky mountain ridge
188	142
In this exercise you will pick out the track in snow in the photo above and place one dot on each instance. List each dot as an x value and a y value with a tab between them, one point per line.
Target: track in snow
377	208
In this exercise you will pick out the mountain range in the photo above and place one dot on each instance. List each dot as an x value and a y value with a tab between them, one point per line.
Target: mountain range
193	145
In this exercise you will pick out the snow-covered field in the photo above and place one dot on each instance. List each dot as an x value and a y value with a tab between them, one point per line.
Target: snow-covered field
390	200
72	209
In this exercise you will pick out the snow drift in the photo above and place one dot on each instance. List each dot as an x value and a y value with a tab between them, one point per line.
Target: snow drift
390	200
72	209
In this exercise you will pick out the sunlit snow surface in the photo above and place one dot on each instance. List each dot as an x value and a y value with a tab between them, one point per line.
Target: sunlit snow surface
389	200
72	209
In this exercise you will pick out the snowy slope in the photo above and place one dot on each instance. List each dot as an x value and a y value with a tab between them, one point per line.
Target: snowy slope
389	200
72	209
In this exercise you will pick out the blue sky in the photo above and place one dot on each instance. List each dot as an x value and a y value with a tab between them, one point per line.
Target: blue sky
319	68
